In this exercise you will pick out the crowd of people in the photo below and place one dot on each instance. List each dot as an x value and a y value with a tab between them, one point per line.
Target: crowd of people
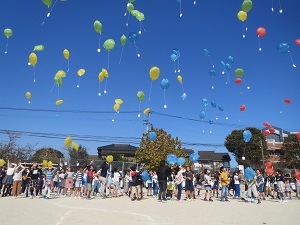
166	183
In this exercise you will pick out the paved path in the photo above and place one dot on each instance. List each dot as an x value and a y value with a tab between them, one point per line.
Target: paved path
121	211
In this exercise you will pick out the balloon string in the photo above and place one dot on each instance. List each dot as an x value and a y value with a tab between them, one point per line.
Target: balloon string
51	9
121	55
210	129
211	62
195	2
178	65
150	91
244	81
182	88
33	74
57	92
114	117
202	126
143	26
180	9
140	31
6	46
292	59
108	60
78	82
272	6
280	9
139	109
52	87
226	117
128	17
99	93
68	66
175	67
227	82
99	41
259	48
105	85
246	25
137	52
212	83
244	30
165	106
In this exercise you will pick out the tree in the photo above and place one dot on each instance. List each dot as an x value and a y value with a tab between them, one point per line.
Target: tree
252	151
152	152
291	147
80	156
11	150
48	154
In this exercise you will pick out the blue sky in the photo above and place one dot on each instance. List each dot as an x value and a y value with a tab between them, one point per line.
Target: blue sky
211	25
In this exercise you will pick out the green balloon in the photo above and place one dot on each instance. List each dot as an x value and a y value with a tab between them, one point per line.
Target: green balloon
8	32
39	48
247	5
132	0
140	16
123	40
109	44
98	26
140	95
47	2
58	80
134	12
130	7
239	72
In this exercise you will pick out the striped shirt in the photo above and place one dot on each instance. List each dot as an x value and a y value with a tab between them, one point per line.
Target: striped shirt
78	176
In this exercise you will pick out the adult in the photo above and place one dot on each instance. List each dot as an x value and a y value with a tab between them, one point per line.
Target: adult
103	178
17	180
224	183
163	172
242	185
8	179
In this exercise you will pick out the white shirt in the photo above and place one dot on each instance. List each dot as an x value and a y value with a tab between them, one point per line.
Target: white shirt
236	180
116	177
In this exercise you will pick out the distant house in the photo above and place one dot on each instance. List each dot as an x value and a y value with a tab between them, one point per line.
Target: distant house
125	150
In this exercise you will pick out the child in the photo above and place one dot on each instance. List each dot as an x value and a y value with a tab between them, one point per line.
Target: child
288	188
96	183
150	184
49	172
8	179
78	183
207	184
17	180
155	184
170	187
116	182
127	179
69	181
34	175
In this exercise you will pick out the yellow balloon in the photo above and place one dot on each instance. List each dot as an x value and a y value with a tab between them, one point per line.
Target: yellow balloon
119	101
49	164
66	54
101	76
242	15
179	78
45	163
33	59
59	102
2	162
81	72
116	106
75	146
154	73
28	95
147	111
61	74
109	158
68	141
105	72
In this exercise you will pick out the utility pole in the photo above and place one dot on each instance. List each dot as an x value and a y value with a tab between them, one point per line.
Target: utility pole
262	153
147	123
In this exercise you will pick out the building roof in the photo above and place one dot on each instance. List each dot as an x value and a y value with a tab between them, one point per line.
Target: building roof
278	135
189	151
118	147
214	156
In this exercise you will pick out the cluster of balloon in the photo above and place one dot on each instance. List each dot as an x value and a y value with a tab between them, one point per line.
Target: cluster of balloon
102	74
136	13
175	56
133	37
171	159
123	40
260	33
98	29
227	67
243	13
2	162
180	161
7	33
183	96
59	82
152	136
239	73
249	173
285	48
28	96
45	163
164	84
140	95
68	141
109	44
280	8
154	74
207	53
80	73
269	168
32	61
194	157
109	158
48	3
247	135
267	132
118	103
66	54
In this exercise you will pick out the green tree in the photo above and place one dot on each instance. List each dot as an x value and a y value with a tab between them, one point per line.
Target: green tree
48	154
80	156
252	151
152	152
291	148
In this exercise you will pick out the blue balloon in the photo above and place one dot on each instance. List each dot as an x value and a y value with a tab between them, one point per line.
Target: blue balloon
210	121
178	1
213	104
204	101
164	84
176	52
230	60
247	135
145	175
194	157
220	108
171	159
249	173
183	96
283	48
212	73
227	67
174	57
132	37
202	115
152	136
180	161
223	64
206	52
